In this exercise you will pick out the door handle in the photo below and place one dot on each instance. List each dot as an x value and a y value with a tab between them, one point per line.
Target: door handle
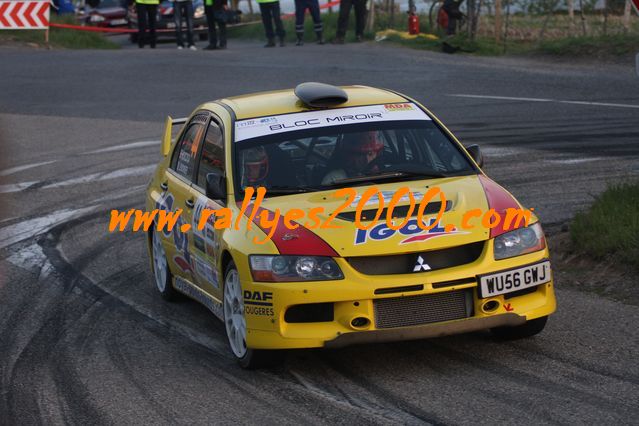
164	186
189	203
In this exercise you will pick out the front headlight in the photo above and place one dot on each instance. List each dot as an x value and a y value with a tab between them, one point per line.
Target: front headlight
520	241
199	12
267	268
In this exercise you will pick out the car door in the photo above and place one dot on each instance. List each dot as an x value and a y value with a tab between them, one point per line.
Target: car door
206	242
177	195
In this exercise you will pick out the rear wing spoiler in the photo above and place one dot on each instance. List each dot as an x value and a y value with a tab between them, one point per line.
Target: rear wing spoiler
168	133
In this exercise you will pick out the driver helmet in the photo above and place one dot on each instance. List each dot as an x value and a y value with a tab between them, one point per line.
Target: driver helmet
361	149
255	162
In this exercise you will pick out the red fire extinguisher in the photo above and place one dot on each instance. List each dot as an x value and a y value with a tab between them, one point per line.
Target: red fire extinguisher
413	19
413	23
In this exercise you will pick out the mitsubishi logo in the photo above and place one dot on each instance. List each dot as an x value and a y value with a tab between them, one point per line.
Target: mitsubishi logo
421	265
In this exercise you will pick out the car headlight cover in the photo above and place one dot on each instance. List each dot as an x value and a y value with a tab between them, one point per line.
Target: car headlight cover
274	268
518	242
199	12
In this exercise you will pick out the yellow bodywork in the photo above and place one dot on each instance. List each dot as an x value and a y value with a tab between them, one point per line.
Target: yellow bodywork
352	296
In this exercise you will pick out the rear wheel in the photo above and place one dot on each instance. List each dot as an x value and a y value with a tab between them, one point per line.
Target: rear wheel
235	324
529	329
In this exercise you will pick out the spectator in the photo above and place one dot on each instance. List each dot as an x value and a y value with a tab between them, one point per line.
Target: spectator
270	11
146	10
300	10
342	20
451	7
183	8
216	14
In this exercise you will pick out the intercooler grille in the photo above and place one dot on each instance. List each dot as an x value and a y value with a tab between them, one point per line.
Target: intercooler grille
424	309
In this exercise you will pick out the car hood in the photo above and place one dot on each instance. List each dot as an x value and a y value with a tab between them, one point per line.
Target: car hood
462	194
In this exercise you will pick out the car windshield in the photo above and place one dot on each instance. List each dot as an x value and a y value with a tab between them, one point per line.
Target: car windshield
347	155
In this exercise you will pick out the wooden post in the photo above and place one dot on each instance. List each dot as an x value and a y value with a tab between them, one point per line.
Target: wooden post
626	15
583	17
571	15
370	22
497	21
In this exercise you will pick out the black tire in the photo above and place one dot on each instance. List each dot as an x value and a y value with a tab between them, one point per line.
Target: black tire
252	358
166	291
133	38
529	329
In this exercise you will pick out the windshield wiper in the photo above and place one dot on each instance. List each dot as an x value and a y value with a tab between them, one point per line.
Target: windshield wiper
282	190
389	176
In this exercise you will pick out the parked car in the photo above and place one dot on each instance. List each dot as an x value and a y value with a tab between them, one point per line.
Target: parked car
103	13
166	20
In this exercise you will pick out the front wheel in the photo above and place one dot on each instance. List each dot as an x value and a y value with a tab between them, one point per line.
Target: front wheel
161	273
235	324
528	329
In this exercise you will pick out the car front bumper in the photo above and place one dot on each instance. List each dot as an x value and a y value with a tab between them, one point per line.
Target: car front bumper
355	297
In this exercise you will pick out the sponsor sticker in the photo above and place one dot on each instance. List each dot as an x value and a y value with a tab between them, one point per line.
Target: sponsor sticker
411	231
257	127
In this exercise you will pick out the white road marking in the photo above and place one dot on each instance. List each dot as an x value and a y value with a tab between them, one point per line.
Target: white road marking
132	145
16	187
508	98
93	177
32	227
97	177
12	170
575	160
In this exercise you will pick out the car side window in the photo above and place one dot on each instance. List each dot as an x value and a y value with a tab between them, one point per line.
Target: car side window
212	158
183	161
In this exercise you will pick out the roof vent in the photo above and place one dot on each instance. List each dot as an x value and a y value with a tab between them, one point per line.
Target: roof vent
320	94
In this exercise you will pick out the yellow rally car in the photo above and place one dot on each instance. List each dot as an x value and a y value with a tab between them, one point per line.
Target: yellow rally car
330	286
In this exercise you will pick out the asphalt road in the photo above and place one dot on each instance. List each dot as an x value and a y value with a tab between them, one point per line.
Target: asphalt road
84	338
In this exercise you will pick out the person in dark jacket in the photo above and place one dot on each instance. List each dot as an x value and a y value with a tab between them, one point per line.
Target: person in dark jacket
270	11
342	20
216	14
451	7
300	11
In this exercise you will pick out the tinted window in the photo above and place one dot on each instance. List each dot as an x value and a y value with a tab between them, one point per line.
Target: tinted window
212	154
183	161
320	158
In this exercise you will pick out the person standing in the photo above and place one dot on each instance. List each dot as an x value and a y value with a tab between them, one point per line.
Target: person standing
270	11
183	8
147	11
300	9
216	14
342	20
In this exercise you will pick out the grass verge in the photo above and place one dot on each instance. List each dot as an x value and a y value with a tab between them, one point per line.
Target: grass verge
609	230
59	37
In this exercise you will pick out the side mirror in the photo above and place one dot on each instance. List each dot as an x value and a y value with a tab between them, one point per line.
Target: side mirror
216	186
475	152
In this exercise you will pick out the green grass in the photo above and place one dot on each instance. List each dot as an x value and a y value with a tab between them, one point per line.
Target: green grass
59	37
609	230
602	46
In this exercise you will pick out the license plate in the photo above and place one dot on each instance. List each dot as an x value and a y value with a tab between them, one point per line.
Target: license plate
118	22
514	279
170	25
